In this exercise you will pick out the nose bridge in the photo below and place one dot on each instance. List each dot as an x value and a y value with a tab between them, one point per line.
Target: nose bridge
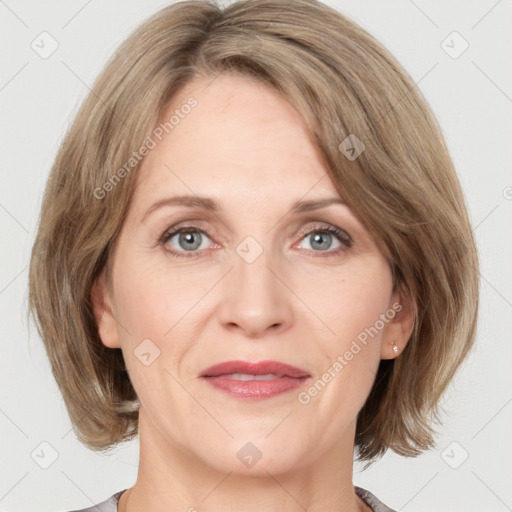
252	271
254	298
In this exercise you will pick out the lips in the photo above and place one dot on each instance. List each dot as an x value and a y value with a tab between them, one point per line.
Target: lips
254	381
259	368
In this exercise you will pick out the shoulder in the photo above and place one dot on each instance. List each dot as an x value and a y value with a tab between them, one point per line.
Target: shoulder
109	505
372	501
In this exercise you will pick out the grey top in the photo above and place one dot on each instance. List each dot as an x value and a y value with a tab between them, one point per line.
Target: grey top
110	505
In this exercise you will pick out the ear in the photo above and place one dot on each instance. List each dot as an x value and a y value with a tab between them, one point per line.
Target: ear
103	312
398	329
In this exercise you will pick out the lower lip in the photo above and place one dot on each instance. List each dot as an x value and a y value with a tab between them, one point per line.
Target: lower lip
255	389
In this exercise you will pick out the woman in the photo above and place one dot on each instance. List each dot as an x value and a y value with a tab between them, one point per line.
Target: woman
257	258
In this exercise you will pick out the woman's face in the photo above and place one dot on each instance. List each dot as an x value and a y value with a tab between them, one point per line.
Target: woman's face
253	278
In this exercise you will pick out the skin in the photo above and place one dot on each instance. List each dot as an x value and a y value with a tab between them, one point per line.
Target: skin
248	149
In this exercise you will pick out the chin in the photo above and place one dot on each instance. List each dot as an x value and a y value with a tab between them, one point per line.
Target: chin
257	456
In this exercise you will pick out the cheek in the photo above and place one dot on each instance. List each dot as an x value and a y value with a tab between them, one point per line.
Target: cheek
352	307
153	297
155	309
350	301
160	314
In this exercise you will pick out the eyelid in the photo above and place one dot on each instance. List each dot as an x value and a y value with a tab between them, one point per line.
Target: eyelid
178	228
329	228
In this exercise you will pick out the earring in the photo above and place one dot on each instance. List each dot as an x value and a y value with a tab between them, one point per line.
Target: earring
395	348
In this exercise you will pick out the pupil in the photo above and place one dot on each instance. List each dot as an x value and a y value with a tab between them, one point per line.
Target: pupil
318	237
189	239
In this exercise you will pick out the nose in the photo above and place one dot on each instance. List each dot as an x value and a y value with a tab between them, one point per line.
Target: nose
255	298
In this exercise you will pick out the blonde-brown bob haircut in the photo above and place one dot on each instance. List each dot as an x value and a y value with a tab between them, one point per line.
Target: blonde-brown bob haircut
403	187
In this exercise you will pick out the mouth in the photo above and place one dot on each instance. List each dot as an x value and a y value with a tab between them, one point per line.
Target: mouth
254	381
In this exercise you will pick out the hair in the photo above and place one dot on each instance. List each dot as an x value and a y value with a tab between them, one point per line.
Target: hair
403	187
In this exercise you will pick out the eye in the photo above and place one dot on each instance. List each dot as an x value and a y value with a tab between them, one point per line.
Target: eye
190	241
184	240
327	239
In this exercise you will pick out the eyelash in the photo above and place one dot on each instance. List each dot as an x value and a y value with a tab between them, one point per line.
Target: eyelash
342	236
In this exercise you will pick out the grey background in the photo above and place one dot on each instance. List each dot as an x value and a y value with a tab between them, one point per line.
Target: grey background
471	96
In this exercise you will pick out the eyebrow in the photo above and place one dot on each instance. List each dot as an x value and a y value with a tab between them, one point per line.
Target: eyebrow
206	203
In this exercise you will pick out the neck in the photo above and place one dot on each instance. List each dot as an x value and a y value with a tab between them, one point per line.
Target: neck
172	479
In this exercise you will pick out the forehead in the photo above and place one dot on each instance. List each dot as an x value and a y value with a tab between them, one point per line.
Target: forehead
242	141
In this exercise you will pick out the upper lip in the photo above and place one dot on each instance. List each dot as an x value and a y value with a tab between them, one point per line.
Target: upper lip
258	368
